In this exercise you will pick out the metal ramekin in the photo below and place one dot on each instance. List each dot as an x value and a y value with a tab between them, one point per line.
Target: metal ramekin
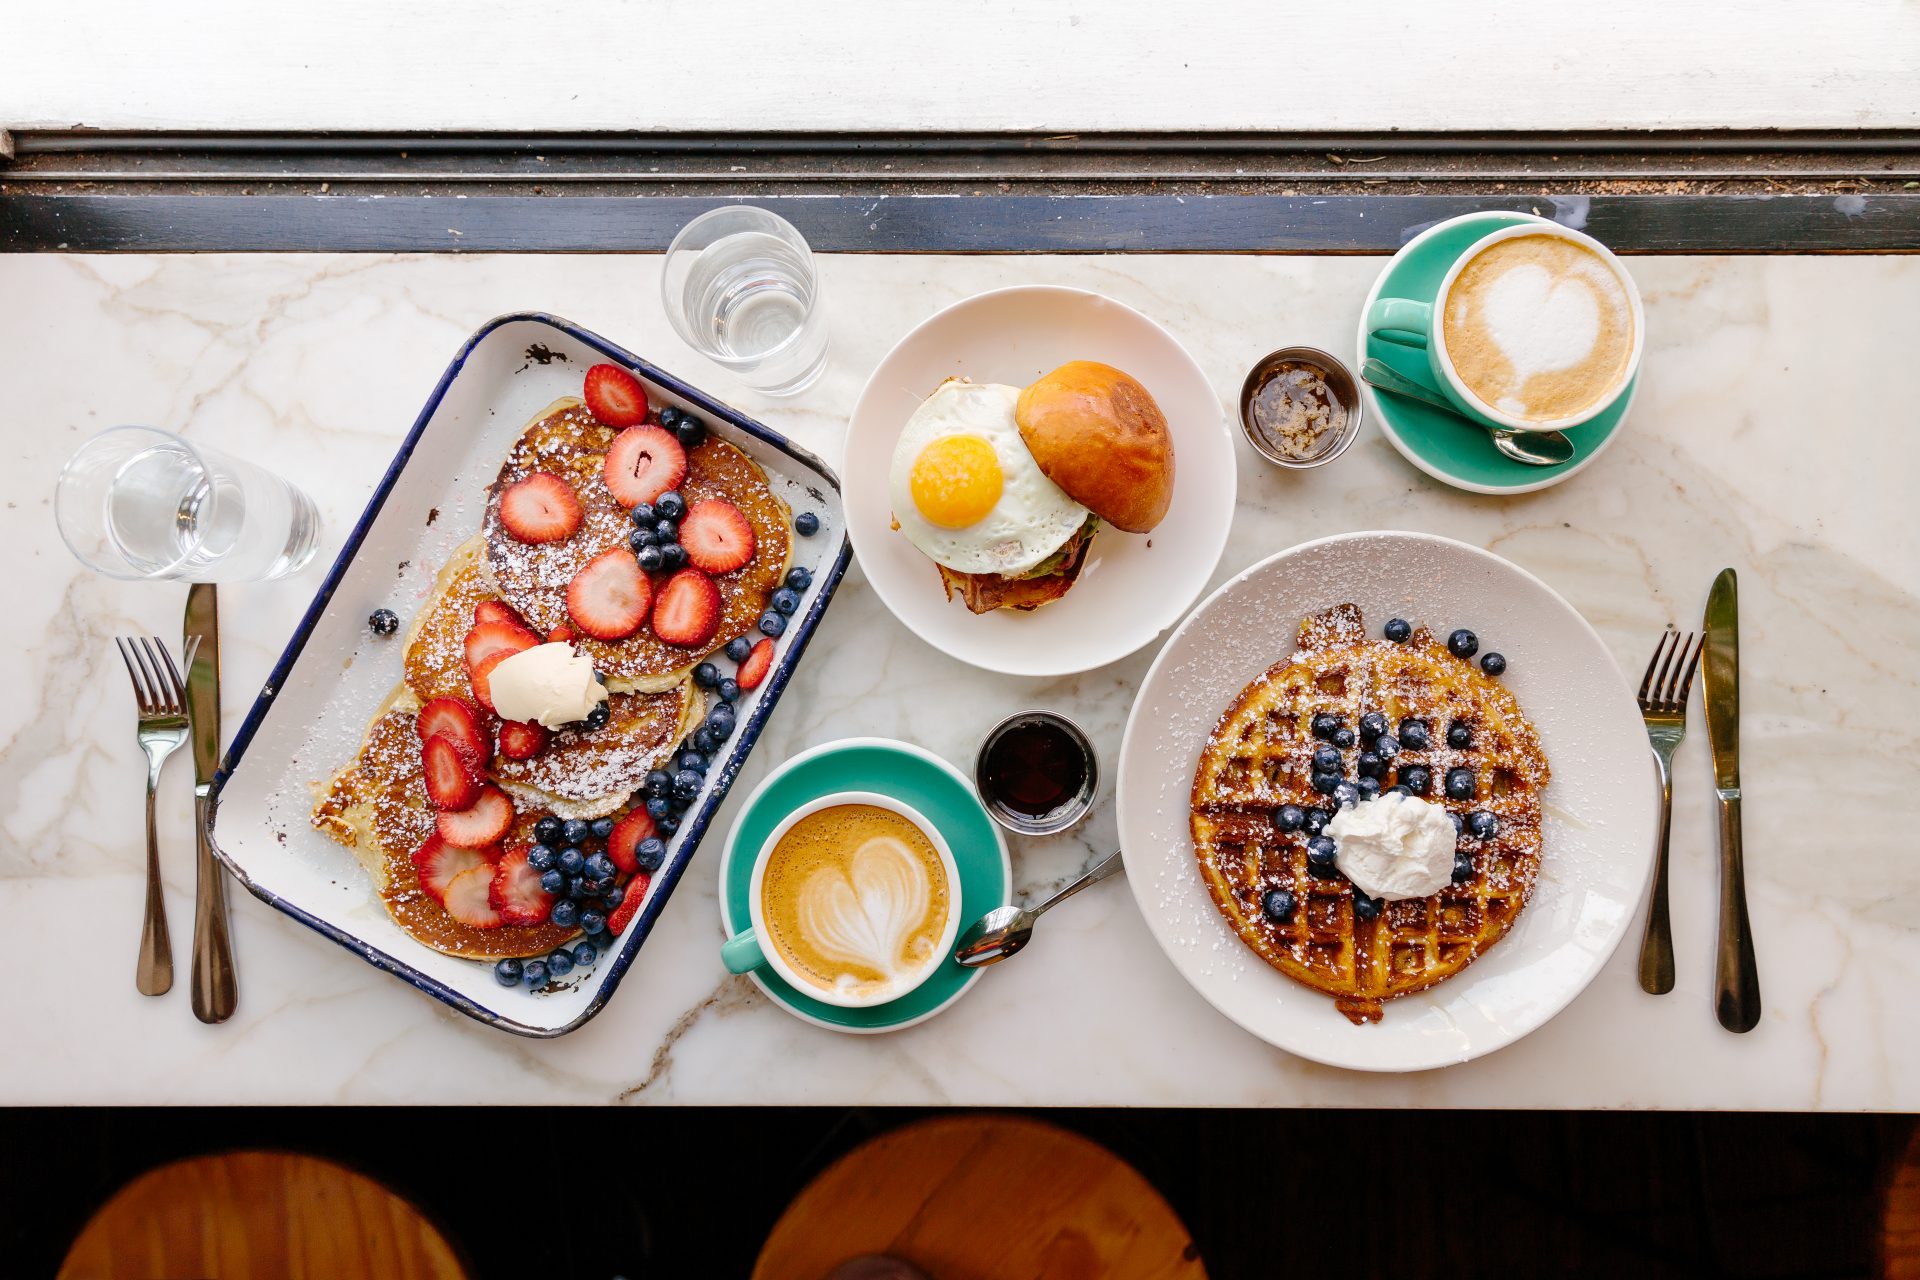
1067	814
1340	381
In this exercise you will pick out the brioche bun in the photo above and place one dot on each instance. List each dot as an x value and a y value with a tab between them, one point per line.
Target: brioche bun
1097	433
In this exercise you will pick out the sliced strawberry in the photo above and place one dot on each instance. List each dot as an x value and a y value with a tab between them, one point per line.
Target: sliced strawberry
643	463
481	678
608	598
458	720
687	610
523	739
616	396
561	634
481	823
635	894
754	669
627	834
469	898
494	636
497	611
540	508
439	862
716	535
515	892
453	777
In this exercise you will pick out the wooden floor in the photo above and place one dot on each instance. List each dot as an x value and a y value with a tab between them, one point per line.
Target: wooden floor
566	1193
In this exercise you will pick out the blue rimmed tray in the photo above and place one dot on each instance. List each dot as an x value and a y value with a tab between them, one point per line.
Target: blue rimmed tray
333	673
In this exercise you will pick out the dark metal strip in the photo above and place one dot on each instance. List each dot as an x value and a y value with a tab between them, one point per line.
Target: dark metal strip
1880	223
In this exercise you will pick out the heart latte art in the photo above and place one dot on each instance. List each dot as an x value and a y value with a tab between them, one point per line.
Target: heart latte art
856	899
1539	327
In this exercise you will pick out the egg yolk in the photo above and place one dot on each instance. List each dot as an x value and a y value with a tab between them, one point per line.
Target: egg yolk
956	481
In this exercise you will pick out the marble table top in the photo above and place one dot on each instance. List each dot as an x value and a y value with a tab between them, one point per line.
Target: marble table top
316	365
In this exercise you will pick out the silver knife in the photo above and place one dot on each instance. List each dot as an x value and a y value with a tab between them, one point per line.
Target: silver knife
214	990
1736	978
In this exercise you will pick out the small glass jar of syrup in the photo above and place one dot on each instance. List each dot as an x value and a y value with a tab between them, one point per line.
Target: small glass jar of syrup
1036	773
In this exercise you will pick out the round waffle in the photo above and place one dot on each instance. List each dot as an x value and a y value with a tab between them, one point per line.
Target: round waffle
1258	758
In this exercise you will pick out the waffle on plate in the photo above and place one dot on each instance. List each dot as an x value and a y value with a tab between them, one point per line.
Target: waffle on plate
1361	951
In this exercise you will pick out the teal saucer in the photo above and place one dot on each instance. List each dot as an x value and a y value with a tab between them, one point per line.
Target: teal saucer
918	778
1443	446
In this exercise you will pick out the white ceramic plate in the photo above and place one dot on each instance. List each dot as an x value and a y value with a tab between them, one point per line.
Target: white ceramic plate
1129	591
1600	806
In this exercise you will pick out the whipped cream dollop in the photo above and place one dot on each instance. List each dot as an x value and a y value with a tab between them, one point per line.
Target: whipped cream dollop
550	683
1394	847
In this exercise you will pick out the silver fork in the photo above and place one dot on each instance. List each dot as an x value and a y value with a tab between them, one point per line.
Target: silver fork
1663	705
161	697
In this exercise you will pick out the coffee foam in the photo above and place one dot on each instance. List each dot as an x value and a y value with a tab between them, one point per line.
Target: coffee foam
856	900
1539	327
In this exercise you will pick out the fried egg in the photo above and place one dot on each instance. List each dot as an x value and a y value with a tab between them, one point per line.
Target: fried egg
966	492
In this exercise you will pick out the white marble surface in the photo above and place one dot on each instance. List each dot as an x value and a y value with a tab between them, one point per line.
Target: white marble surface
1776	432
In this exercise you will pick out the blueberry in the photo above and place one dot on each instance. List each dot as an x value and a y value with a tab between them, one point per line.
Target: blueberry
1387	747
1368	764
806	524
1417	779
651	558
1369	788
613	898
703	739
650	853
566	913
560	963
669	416
1399	630
1372	725
1325	783
585	953
658	807
1365	907
738	648
1459	784
571	861
772	624
1288	817
1326	760
799	579
1278	904
1459	825
580	888
598	717
690	430
670	505
1462	866
667	825
658	782
576	830
1493	663
507	973
686	785
719	731
547	830
642	515
1324	723
1483	825
728	689
785	601
592	922
383	622
640	542
673	558
692	760
1343	738
600	867
665	531
1463	643
1346	795
1321	851
706	675
723	714
534	973
540	857
599	676
553	880
1459	736
601	828
1396	790
1316	821
1414	735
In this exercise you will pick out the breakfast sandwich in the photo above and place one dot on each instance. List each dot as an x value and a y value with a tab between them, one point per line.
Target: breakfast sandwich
1004	488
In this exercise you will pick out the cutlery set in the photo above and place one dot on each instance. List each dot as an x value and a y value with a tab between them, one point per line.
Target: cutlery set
1663	694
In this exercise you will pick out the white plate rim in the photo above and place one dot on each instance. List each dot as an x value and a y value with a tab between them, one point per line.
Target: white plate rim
1544	1012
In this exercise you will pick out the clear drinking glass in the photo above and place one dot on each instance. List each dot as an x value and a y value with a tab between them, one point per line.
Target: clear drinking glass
739	286
138	502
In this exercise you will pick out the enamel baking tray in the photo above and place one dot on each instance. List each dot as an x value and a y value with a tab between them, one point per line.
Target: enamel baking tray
334	674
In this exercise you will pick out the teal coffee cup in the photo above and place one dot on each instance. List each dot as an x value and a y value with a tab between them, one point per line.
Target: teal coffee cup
1546	320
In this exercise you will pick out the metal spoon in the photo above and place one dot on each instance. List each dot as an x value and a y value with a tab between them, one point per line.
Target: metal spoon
1535	448
1004	930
